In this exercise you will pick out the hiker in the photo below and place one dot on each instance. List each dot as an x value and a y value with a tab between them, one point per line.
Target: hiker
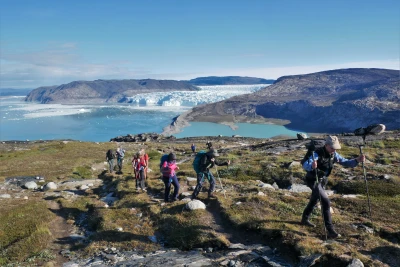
169	177
140	165
325	157
206	162
134	164
209	145
193	147
146	159
110	159
120	158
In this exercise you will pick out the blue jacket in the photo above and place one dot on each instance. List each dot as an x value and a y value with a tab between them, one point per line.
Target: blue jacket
337	158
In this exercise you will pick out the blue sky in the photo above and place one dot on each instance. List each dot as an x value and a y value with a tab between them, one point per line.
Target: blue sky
54	42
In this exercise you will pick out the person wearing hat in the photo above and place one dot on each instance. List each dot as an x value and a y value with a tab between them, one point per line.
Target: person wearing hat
208	161
169	177
324	159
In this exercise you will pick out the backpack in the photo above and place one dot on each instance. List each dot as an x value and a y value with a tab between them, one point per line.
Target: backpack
312	146
196	161
163	159
110	154
120	153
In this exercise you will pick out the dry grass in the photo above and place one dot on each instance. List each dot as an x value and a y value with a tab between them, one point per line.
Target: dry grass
274	216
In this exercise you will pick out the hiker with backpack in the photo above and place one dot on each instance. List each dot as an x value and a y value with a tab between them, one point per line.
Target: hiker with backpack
146	159
120	158
202	164
319	166
110	156
139	164
169	176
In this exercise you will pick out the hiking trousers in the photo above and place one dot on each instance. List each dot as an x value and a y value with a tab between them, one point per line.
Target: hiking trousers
140	180
317	191
111	165
168	181
119	163
201	176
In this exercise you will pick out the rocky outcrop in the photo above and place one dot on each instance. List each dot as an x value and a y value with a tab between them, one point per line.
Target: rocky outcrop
100	91
143	137
329	101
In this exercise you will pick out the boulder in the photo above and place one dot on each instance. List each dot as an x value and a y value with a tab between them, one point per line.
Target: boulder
50	186
299	188
30	185
195	205
301	136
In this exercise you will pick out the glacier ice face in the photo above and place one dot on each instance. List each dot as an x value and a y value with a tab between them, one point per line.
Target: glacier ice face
207	94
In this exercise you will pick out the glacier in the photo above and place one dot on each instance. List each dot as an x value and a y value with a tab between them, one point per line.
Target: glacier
206	94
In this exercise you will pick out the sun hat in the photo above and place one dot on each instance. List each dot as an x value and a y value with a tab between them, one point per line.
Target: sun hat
333	141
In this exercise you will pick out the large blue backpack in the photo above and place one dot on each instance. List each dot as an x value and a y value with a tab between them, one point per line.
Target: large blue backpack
196	161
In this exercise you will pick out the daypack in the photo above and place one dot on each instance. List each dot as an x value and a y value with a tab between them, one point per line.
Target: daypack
196	161
110	154
166	171
121	153
163	159
313	145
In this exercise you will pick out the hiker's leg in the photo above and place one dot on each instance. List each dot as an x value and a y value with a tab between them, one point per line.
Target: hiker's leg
200	180
141	178
167	184
311	204
175	182
326	208
211	179
137	181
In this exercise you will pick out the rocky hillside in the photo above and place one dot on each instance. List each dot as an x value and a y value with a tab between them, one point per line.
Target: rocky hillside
329	101
100	91
76	213
228	80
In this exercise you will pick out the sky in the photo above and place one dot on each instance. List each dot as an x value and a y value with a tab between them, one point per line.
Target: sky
44	43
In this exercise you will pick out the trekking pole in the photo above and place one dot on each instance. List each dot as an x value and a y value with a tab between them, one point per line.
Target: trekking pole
220	180
366	184
320	200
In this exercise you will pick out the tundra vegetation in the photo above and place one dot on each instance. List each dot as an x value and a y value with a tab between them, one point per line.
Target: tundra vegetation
245	215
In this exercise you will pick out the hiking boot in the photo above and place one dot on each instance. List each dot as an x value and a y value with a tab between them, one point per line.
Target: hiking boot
332	234
306	222
211	195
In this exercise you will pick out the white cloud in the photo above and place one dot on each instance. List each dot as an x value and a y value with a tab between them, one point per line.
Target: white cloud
62	64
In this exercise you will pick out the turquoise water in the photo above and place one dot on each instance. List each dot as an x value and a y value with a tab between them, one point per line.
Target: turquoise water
100	123
244	129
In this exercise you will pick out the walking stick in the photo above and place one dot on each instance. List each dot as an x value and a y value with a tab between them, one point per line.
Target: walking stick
320	200
220	180
366	183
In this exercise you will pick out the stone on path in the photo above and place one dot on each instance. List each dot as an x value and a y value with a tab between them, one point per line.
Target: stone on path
195	205
50	186
30	185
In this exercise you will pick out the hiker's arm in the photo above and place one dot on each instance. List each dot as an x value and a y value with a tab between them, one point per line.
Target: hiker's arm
309	165
347	162
225	163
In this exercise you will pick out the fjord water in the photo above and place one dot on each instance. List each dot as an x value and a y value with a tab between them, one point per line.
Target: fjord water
151	113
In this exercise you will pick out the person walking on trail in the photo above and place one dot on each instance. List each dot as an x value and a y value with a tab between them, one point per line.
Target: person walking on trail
207	161
110	159
193	147
169	177
120	158
139	164
321	167
146	159
209	145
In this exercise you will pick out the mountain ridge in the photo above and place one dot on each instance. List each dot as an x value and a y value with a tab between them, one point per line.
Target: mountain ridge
334	100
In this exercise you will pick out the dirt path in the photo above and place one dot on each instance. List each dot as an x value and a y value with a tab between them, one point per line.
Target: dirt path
61	231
